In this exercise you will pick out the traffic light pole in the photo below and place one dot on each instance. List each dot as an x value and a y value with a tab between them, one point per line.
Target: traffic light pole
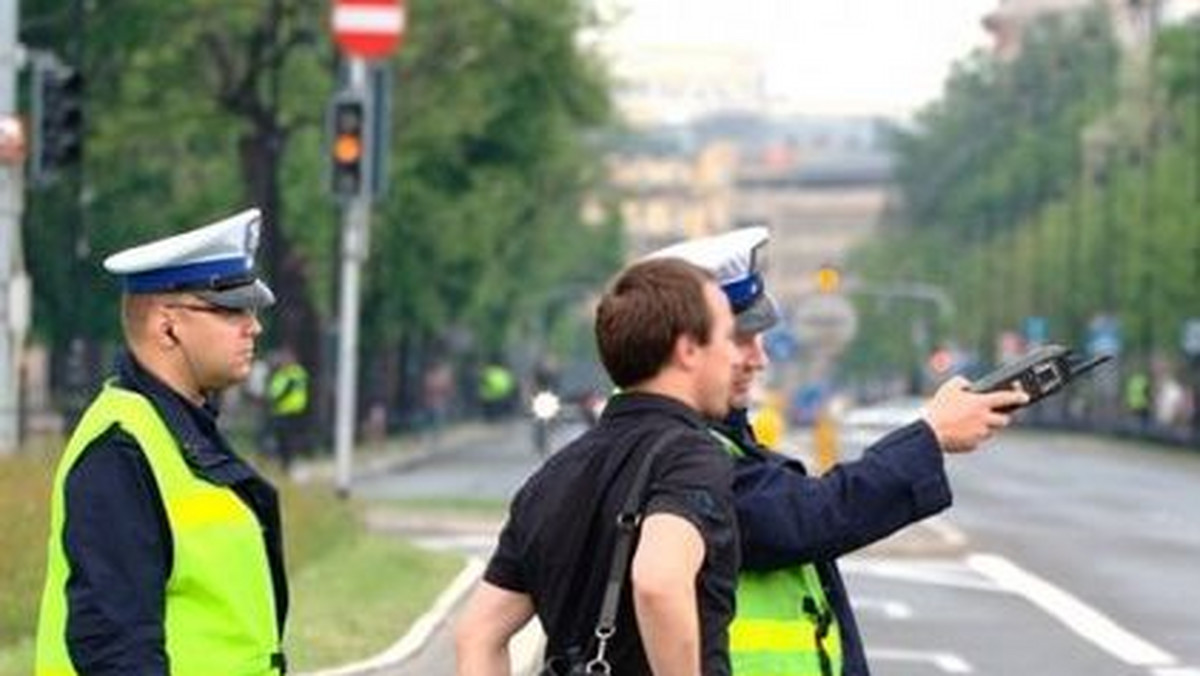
356	221
12	301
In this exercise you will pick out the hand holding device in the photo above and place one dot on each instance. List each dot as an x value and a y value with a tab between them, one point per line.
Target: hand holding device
1040	373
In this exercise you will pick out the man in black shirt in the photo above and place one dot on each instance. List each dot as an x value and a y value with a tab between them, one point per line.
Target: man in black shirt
665	334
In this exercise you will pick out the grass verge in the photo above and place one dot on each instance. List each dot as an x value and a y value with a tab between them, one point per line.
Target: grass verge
464	507
357	603
353	593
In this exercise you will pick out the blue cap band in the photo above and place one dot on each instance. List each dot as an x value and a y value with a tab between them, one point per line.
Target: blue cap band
743	292
205	275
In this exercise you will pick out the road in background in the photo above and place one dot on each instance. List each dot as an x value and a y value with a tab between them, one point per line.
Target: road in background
1062	555
1068	555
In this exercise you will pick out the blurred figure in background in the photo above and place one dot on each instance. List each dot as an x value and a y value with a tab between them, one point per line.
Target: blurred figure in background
287	392
497	387
1137	399
437	391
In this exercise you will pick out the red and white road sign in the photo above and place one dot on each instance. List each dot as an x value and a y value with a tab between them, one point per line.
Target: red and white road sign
12	140
371	29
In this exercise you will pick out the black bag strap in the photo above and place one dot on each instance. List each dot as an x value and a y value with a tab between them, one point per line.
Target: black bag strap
628	521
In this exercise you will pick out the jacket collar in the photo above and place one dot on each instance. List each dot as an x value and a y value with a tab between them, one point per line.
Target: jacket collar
736	427
194	427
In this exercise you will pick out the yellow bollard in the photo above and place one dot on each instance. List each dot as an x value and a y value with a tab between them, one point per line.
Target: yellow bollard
825	440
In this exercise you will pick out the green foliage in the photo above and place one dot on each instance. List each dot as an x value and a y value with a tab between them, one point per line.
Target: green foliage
1062	184
25	506
490	169
187	101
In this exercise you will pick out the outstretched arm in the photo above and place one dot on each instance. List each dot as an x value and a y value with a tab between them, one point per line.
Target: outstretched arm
787	516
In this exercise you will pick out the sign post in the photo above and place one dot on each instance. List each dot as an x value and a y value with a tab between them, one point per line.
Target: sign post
363	30
12	178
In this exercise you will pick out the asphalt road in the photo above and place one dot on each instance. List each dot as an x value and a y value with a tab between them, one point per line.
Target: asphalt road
1062	555
1076	555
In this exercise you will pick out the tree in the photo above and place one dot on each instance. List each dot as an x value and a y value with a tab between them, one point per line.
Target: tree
989	180
201	106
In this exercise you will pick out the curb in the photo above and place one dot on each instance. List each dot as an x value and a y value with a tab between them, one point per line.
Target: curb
421	630
525	649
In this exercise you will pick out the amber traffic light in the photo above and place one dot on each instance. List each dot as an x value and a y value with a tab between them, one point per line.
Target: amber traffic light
347	148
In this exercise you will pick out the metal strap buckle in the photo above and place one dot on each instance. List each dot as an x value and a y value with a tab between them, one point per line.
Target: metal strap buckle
599	665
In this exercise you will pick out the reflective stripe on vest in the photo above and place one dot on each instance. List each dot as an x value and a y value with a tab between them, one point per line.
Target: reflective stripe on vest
289	390
783	625
220	601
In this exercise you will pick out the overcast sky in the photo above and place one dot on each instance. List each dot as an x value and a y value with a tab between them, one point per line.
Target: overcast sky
831	56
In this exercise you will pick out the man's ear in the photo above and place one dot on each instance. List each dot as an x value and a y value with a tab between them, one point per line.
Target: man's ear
164	329
685	354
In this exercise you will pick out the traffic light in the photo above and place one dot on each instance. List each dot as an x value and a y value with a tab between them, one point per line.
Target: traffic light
347	148
829	279
58	119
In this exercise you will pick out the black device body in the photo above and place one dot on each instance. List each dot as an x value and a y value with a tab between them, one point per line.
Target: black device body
1040	373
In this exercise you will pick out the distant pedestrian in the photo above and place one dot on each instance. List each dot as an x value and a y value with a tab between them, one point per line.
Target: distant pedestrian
437	391
497	387
1137	399
287	390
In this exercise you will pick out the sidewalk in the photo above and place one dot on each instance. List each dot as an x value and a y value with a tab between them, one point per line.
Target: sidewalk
397	453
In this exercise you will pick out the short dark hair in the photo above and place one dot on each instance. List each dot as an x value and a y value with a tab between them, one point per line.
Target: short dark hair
644	311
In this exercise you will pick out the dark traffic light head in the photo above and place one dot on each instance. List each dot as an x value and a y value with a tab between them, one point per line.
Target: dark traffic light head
58	119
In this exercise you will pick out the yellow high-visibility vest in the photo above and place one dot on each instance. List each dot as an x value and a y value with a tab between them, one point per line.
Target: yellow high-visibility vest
220	602
784	625
289	390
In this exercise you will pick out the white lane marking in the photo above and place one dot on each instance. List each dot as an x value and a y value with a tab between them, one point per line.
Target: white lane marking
1176	671
945	662
940	573
951	535
1084	620
893	610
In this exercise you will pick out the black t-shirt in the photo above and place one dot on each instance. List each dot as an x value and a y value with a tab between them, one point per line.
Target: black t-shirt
557	545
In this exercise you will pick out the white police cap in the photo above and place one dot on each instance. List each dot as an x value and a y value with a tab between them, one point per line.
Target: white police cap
736	260
214	262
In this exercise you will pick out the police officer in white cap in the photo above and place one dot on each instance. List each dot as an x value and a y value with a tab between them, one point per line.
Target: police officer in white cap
793	615
165	552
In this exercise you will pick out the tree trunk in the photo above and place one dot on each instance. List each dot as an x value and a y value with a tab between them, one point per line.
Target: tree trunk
295	319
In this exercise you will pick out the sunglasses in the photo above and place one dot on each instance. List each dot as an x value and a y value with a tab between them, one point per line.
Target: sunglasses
227	313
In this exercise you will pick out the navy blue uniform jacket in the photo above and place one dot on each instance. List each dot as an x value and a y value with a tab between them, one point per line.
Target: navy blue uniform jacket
787	517
118	540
